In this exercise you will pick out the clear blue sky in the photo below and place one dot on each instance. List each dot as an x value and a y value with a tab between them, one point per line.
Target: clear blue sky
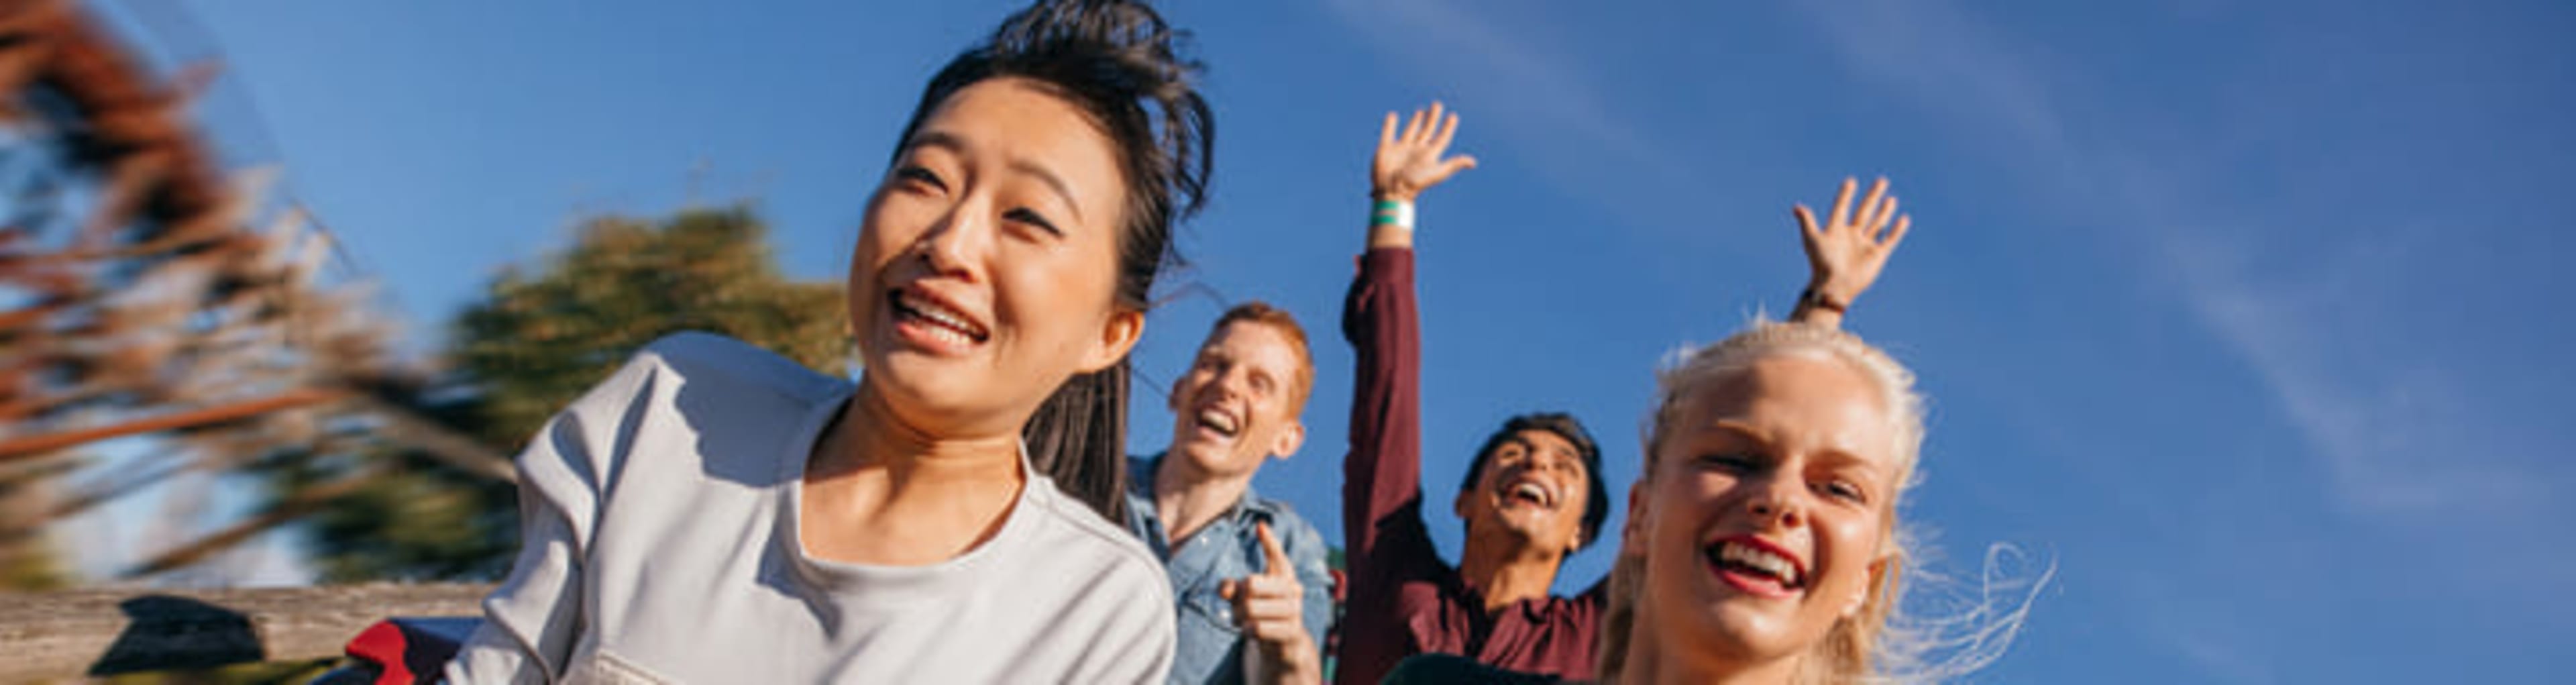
2239	312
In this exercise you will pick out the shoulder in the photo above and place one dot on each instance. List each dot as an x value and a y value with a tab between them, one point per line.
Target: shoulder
1077	531
711	358
716	386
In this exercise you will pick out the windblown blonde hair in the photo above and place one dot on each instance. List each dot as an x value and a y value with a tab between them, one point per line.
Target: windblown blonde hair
1879	643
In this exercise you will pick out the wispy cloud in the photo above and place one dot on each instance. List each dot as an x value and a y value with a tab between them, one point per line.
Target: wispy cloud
2400	439
2397	437
2373	423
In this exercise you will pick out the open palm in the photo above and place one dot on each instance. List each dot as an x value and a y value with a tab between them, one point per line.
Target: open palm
1409	160
1847	251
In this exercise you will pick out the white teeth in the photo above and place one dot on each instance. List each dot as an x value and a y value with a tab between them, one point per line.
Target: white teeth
1762	559
1533	491
956	325
1221	421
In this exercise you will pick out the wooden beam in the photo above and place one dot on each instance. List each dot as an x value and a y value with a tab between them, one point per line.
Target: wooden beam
76	633
14	449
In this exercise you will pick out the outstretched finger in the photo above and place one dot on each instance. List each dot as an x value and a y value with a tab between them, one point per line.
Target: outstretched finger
1879	220
1807	223
1868	218
1386	133
1897	234
1451	167
1413	126
1448	131
1842	204
1271	552
1431	124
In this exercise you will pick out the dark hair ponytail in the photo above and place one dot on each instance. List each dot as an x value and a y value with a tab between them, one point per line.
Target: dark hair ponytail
1079	439
1119	62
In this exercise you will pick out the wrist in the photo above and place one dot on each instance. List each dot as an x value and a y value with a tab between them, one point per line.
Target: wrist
1824	298
1391	213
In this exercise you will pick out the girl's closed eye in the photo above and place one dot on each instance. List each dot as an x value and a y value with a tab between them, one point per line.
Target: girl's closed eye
1024	215
921	176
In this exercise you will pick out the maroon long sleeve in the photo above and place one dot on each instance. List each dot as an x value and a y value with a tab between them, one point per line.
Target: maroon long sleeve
1402	599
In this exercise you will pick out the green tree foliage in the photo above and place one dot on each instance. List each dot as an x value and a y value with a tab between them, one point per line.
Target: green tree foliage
541	339
542	336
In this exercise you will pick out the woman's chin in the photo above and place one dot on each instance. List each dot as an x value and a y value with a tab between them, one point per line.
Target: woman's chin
948	398
1744	626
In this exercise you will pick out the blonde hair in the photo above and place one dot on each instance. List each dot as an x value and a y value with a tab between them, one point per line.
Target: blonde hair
1879	643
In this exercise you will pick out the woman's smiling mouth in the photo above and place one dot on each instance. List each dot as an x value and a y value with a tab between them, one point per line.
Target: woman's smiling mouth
930	320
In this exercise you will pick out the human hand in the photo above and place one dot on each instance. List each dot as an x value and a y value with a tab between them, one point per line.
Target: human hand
1270	607
1846	253
1409	161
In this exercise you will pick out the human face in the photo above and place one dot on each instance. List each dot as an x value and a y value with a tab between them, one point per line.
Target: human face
1766	518
983	275
1531	492
1237	405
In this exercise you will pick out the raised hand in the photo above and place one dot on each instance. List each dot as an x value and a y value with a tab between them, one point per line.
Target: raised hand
1846	252
1270	607
1408	161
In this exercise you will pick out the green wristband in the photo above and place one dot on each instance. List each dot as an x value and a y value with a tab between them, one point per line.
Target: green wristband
1392	213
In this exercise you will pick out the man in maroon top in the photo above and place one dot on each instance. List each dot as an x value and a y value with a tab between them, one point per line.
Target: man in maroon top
1532	496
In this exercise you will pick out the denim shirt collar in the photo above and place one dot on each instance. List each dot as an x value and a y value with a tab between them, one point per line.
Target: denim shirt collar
1209	644
1140	502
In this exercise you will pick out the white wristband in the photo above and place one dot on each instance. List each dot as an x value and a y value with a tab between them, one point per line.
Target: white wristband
1392	213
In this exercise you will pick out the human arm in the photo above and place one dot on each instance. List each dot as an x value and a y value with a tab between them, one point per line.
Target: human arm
533	619
1846	252
1137	643
1384	540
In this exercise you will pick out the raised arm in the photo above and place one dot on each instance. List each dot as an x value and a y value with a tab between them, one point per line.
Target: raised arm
1845	254
1385	541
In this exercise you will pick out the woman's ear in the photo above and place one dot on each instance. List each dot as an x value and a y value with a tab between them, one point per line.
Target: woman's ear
1632	532
1879	569
1117	335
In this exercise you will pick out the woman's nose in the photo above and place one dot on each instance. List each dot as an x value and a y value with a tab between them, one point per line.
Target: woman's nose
1779	501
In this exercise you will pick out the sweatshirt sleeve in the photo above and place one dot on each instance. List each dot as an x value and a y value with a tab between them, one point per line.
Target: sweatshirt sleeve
533	619
1386	543
1136	641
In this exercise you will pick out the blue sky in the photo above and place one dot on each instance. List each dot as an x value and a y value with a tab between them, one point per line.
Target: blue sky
2238	313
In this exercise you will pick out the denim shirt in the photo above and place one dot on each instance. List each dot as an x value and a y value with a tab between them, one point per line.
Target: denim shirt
1211	644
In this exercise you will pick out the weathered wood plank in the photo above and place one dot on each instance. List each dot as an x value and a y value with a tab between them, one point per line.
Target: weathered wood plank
72	633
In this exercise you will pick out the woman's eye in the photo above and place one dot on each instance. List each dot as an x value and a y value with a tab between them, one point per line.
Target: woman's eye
1845	490
1023	215
921	175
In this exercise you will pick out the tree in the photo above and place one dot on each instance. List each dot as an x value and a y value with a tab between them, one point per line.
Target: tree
539	338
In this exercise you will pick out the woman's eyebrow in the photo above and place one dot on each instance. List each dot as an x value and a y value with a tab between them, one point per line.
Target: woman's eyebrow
938	139
933	138
1738	429
1047	176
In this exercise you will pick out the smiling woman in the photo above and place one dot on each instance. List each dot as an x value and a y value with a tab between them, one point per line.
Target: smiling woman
1762	536
1763	541
716	513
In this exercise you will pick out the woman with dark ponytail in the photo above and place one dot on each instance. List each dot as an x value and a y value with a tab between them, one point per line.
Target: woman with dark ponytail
716	513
